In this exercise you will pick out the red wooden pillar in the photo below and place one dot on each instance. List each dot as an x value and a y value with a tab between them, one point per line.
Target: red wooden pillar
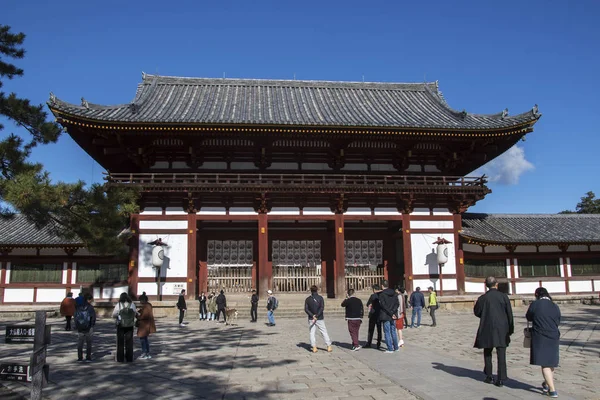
2	280
460	262
406	243
339	270
133	256
192	260
202	277
265	270
69	276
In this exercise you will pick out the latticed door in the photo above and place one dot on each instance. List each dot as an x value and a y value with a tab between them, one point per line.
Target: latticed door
296	265
230	265
364	263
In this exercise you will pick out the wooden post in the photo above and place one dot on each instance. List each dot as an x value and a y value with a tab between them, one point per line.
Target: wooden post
192	259
264	272
460	264
2	279
203	277
340	257
133	256
406	242
39	345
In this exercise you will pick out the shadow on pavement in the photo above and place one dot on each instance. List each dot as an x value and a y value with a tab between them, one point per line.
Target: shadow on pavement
478	376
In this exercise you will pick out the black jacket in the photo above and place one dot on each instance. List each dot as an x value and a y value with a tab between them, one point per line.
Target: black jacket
495	320
388	303
202	299
181	303
374	303
221	301
254	300
314	305
354	308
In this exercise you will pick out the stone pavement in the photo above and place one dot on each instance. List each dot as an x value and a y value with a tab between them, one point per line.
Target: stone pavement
253	361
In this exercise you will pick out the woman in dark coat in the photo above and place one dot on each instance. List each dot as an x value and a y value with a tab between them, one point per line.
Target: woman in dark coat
545	337
146	326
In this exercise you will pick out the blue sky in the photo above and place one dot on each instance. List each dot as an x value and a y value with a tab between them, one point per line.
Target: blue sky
487	56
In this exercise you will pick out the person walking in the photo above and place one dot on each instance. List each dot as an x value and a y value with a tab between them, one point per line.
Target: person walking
221	306
544	315
354	314
388	304
314	305
182	306
212	306
254	306
406	306
124	314
495	327
373	305
433	304
146	326
85	320
272	304
67	309
417	302
401	314
202	314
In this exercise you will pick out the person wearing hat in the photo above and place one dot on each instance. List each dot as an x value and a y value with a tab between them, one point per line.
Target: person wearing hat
272	305
254	306
433	304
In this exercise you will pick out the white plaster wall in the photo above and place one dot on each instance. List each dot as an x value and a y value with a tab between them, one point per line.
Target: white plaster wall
64	273
425	283
175	256
212	211
549	249
425	211
578	247
113	292
431	224
516	267
496	249
317	211
20	295
152	211
7	276
148	287
175	211
580	286
50	295
561	267
449	284
597	285
166	288
525	249
386	211
74	273
554	287
163	225
527	287
242	211
424	257
474	287
508	271
569	274
472	248
358	211
284	211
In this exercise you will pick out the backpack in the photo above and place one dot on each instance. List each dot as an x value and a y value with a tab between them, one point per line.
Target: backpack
83	319
275	304
126	317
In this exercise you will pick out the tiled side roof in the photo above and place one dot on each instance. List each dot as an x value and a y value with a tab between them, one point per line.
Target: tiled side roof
20	232
161	99
532	228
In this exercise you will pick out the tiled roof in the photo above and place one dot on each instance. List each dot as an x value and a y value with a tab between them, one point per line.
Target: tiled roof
532	228
18	231
163	99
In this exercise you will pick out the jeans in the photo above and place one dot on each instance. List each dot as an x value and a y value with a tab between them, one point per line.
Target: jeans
391	335
211	316
487	359
124	344
432	313
87	337
312	328
270	317
254	312
373	322
354	328
145	344
181	314
416	311
203	312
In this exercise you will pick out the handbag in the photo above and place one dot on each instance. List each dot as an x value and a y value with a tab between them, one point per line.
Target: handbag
527	336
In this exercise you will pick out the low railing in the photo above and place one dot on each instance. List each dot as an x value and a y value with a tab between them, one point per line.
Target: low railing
290	181
363	278
230	279
296	279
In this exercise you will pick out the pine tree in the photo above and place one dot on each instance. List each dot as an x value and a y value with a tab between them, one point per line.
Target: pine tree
96	215
589	204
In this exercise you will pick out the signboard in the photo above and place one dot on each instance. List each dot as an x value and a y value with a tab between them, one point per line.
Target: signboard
24	334
15	372
38	359
178	287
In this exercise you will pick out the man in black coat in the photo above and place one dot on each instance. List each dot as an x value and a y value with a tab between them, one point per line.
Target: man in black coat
388	313
373	305
254	306
182	306
221	306
495	327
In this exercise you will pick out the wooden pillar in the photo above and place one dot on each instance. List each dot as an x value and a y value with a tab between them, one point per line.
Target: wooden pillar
265	270
202	277
2	280
460	261
133	256
69	275
192	260
564	248
340	257
406	242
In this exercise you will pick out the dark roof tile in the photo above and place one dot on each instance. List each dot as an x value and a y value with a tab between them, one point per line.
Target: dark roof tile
18	231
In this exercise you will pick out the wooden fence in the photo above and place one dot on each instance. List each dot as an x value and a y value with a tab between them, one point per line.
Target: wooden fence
363	277
230	279
295	279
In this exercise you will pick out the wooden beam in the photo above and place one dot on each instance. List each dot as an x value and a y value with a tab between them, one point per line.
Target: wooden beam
340	256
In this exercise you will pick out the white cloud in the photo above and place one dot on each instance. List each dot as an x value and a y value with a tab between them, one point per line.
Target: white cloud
508	167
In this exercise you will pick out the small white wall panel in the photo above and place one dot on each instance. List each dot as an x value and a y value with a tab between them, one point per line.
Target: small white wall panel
50	295
555	286
7	276
431	225
425	283
114	292
149	287
449	284
597	285
20	295
74	273
64	273
163	225
580	286
175	211
508	270
152	211
527	287
474	287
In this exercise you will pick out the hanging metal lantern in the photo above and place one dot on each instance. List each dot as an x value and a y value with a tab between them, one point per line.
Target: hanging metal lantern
442	250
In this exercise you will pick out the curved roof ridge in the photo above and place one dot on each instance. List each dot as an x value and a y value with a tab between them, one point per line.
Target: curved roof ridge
573	215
